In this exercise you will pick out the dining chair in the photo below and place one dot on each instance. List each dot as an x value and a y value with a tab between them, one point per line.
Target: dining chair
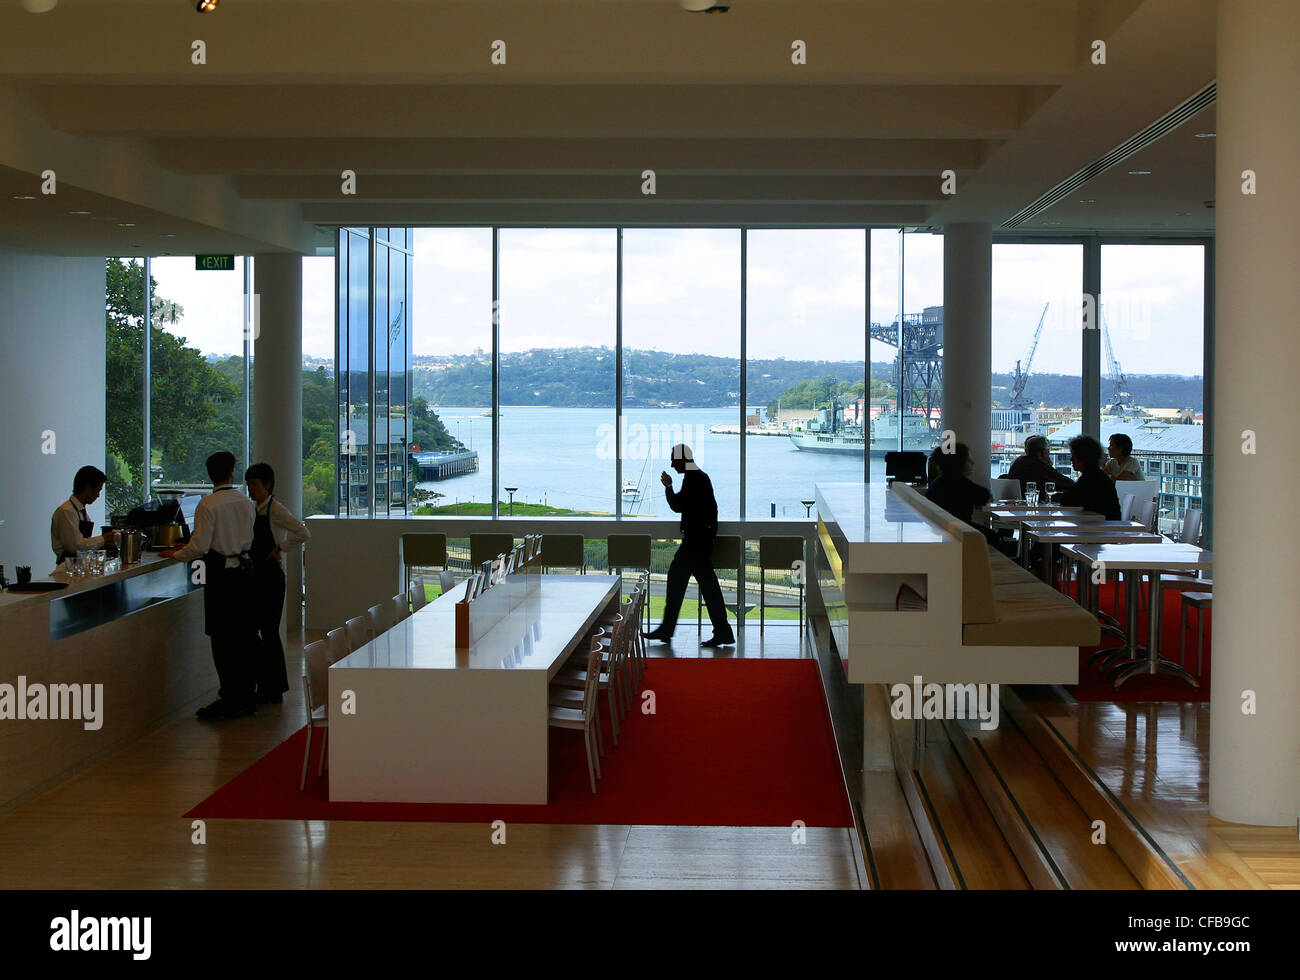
1144	512
727	550
401	607
574	677
381	619
446	581
423	550
419	597
1126	503
629	551
486	546
338	643
585	716
358	630
1200	601
778	552
564	551
315	686
1191	530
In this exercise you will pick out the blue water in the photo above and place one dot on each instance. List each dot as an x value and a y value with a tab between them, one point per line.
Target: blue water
565	457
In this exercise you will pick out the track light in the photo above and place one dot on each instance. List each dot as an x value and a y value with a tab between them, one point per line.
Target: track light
206	6
706	6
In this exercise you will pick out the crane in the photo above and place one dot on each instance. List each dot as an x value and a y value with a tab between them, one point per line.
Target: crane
1022	377
1121	396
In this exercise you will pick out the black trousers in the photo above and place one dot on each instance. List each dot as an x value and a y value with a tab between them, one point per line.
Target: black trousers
227	608
272	676
694	559
235	667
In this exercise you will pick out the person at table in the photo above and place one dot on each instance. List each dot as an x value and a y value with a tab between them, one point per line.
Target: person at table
1035	466
953	489
222	540
274	530
71	529
694	558
1094	491
1121	465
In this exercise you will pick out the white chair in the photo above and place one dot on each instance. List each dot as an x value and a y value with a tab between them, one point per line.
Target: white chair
1191	530
419	597
315	686
1126	504
381	619
338	644
585	717
401	607
1144	512
575	677
446	581
358	630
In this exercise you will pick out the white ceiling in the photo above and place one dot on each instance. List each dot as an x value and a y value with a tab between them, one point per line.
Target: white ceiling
244	153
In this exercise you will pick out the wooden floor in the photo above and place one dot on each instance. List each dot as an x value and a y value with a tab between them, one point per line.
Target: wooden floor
119	825
1154	758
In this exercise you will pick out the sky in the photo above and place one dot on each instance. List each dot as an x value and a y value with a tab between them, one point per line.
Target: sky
681	292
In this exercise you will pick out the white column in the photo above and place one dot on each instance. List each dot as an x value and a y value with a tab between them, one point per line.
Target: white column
1255	757
968	339
277	393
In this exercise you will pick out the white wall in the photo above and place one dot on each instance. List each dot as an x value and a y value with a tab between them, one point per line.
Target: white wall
51	380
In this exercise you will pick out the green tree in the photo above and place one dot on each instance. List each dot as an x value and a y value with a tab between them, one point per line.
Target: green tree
187	392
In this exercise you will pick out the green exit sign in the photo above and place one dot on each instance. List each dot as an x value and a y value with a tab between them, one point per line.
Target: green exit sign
215	263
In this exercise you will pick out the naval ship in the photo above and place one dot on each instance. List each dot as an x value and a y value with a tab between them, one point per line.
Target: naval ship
830	432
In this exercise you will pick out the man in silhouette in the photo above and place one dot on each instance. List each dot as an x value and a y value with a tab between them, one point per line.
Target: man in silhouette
1036	466
699	510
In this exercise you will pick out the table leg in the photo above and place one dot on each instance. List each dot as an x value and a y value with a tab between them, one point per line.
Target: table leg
1153	663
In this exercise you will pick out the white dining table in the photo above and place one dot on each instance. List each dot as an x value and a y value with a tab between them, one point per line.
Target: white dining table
414	719
1049	538
1151	560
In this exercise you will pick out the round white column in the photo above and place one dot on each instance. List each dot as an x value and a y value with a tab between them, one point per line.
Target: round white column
1255	757
968	338
277	394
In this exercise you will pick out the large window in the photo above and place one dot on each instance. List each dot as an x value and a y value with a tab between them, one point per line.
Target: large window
557	371
808	417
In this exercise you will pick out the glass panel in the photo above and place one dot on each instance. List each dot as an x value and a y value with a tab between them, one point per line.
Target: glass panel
1037	349
681	361
805	375
882	412
921	361
383	326
1153	365
197	399
319	398
124	377
451	371
557	373
355	435
399	436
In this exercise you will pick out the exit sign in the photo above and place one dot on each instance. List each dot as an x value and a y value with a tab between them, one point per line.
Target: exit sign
215	263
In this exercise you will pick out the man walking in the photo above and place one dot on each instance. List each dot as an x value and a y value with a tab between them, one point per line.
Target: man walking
699	526
223	535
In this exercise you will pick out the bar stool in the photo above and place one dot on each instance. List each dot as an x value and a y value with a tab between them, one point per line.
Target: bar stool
422	550
1200	601
486	546
727	549
778	552
630	551
564	551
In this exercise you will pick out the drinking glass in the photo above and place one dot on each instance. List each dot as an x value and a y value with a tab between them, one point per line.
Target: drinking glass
97	560
1031	492
1050	490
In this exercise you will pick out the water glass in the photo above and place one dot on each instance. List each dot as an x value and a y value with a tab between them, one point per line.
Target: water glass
1031	493
1050	490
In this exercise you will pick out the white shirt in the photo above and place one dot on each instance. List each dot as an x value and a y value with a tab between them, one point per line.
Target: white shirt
287	530
223	522
1130	466
65	536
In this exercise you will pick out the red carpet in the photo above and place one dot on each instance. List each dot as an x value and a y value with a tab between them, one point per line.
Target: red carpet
1093	687
744	743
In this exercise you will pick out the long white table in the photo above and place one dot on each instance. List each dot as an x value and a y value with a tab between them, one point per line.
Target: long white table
433	724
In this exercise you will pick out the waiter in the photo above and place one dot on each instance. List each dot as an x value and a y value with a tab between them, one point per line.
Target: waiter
274	530
223	535
699	509
71	529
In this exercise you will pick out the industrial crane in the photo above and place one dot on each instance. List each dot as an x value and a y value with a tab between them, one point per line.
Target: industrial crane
1022	377
1121	396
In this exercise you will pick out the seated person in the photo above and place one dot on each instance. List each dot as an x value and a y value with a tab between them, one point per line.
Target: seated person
953	489
1121	465
1036	466
1093	491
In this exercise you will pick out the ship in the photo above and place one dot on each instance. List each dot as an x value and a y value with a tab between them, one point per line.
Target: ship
831	432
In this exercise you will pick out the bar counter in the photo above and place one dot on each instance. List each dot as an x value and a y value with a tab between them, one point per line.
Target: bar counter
137	631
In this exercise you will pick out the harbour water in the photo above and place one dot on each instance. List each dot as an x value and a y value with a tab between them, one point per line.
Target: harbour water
565	457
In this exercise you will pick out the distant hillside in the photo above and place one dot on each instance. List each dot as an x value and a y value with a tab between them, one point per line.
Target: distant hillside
583	377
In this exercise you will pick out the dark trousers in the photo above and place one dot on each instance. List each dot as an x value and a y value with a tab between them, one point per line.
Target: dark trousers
694	559
235	666
272	676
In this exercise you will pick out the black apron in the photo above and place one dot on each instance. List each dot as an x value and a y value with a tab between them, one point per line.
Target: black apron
267	571
228	592
86	529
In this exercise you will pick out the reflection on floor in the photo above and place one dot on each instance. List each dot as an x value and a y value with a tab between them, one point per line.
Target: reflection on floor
119	825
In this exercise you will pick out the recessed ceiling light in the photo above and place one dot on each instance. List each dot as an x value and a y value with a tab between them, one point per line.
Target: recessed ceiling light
206	6
1088	200
166	235
1139	173
79	212
1206	136
39	6
26	197
127	224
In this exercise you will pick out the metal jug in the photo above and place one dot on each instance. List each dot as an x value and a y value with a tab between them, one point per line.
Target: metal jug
130	543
